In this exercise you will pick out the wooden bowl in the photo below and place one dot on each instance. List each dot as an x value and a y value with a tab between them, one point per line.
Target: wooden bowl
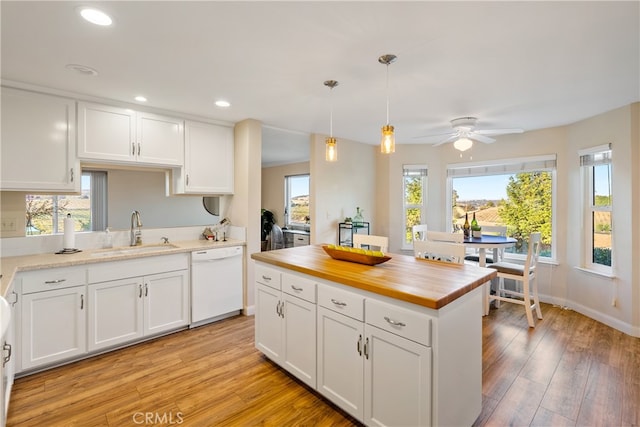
355	257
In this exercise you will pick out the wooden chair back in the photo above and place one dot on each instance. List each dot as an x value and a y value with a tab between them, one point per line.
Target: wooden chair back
380	243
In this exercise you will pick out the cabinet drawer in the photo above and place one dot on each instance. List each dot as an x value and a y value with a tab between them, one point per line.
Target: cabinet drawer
341	301
268	276
299	287
55	278
400	321
300	240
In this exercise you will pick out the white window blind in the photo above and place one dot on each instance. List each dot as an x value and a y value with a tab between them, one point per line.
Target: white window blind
414	170
595	156
531	164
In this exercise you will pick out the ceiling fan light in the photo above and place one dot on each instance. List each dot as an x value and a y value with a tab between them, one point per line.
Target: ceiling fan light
388	141
463	144
331	150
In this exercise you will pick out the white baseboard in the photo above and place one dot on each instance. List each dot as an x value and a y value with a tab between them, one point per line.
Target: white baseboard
249	311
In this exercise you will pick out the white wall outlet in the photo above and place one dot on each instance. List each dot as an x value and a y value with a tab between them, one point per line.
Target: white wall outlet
9	224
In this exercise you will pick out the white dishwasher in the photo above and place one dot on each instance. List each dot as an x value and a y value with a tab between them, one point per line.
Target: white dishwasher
216	284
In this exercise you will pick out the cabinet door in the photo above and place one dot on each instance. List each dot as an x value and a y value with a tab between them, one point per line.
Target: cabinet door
208	160
166	301
160	139
299	338
340	361
397	380
115	312
38	142
268	322
106	133
53	326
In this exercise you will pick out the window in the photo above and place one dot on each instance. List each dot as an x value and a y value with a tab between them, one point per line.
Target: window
518	193
596	170
414	184
45	213
296	210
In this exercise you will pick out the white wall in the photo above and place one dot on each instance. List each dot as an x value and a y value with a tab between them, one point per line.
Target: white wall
337	188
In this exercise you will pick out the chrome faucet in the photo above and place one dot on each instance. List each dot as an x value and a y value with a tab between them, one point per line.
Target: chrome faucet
136	235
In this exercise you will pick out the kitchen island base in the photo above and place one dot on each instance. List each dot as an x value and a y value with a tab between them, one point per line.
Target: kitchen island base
383	360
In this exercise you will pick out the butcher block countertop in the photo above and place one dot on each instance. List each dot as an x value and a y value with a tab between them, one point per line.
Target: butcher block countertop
430	284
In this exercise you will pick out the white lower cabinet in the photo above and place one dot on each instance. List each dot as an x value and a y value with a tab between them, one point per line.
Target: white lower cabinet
286	321
53	326
126	310
374	359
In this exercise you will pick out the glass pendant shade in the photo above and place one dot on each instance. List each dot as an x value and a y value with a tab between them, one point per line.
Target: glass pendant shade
331	150
388	141
463	144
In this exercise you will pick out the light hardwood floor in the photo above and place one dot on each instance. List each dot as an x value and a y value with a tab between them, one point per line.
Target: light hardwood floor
569	370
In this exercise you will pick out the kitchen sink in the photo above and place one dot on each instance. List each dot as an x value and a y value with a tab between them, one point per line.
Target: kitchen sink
133	250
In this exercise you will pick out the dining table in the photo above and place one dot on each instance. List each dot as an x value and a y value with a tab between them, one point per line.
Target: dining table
482	243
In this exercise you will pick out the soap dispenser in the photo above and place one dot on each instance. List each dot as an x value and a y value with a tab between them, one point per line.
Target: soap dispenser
107	241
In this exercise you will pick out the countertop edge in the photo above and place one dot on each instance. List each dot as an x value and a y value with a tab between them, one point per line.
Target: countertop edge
12	265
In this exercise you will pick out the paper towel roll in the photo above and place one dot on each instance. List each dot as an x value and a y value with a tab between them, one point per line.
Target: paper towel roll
69	237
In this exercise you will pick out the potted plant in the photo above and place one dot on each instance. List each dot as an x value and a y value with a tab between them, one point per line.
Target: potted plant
268	218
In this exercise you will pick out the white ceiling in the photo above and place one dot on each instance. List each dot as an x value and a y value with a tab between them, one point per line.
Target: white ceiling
526	65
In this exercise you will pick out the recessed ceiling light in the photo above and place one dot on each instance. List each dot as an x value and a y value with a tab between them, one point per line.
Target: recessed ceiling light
96	16
223	104
82	69
140	98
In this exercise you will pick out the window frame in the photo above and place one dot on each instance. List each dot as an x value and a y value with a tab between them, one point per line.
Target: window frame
508	166
423	172
98	191
287	200
588	162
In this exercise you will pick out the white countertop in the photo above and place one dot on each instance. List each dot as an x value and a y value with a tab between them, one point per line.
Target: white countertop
9	266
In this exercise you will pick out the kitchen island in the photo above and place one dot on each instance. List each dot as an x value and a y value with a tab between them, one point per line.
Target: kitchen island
399	343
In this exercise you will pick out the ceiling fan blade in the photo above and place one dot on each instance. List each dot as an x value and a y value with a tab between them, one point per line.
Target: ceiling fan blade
481	138
497	131
450	139
433	135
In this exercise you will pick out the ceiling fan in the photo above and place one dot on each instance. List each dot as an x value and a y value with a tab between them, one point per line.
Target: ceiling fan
464	131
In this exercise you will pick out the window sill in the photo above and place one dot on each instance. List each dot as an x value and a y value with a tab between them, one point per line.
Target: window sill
596	273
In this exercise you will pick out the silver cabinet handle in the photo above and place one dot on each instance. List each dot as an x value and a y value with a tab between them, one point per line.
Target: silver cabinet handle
187	180
146	289
54	282
340	303
81	301
138	148
15	300
359	346
71	174
6	347
296	288
366	348
139	291
133	148
267	278
394	322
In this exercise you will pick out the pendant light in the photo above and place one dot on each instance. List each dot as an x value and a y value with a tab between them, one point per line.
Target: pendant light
331	148
388	141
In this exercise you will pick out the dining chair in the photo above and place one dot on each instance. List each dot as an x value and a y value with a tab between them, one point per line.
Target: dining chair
443	236
494	230
439	251
370	240
526	274
419	232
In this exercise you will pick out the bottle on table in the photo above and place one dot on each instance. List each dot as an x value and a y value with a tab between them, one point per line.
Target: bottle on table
466	228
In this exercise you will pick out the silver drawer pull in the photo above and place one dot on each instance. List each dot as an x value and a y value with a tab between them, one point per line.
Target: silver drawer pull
295	288
394	322
53	282
265	277
340	303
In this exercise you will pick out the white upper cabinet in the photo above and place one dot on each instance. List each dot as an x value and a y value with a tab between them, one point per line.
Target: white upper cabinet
123	136
38	142
208	160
